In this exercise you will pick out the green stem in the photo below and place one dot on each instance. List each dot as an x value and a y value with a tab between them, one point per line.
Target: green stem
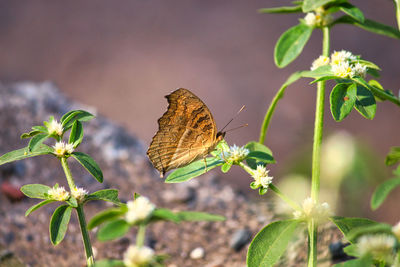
81	216
140	236
397	4
316	155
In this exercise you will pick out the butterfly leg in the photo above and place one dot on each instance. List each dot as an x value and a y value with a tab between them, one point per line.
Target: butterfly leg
205	162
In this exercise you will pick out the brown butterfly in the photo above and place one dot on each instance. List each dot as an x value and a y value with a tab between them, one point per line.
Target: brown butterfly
187	132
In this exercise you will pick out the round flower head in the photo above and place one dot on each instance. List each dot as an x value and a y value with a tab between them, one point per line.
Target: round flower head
342	56
321	61
58	193
236	154
139	210
79	194
380	246
54	127
61	149
311	19
313	210
261	178
359	70
342	69
138	256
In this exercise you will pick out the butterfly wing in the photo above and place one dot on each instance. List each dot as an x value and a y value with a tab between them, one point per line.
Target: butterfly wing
187	131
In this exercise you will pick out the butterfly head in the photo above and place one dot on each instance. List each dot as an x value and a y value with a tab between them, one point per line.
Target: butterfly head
220	136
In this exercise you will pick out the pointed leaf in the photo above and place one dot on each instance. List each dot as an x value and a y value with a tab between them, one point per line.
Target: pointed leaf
346	225
342	99
365	103
226	167
89	164
36	141
290	44
59	223
107	215
352	11
76	135
361	262
259	154
164	215
195	216
109	263
35	190
270	243
30	134
24	153
106	195
382	191
393	156
37	206
69	118
113	230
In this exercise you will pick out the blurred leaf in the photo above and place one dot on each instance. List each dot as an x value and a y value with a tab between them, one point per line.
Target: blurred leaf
103	216
342	99
362	262
369	64
164	215
282	9
113	230
393	156
310	5
76	135
23	153
226	167
59	223
109	263
290	44
35	190
382	191
194	216
378	228
346	224
89	164
37	206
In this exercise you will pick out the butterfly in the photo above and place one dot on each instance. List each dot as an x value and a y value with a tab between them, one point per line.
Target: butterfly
187	132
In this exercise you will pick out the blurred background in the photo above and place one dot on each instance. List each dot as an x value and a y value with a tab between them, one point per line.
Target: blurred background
122	57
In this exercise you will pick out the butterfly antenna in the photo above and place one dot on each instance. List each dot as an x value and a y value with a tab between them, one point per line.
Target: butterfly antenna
241	126
240	110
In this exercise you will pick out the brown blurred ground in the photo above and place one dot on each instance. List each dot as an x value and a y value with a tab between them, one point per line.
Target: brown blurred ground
123	56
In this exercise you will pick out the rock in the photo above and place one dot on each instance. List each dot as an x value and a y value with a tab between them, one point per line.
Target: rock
240	238
11	191
197	253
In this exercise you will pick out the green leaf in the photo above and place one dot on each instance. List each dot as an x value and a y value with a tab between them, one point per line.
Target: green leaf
37	206
89	164
259	154
351	250
35	190
226	167
324	78
36	141
109	263
24	153
282	9
369	64
30	134
342	99
378	228
290	44
76	135
110	195
365	103
262	190
310	5
352	11
194	216
69	118
59	223
40	128
345	224
361	262
164	215
72	202
382	191
370	25
270	243
107	215
319	72
193	170
113	230
393	156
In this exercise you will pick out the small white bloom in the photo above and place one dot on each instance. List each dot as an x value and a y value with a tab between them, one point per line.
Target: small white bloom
342	56
261	177
320	61
138	256
396	230
139	210
342	69
58	193
380	246
55	128
311	19
312	210
358	70
236	154
61	148
79	194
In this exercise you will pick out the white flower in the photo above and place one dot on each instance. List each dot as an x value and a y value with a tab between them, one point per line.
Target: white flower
236	154
321	61
61	148
54	127
342	69
311	19
342	56
380	246
139	210
358	70
138	256
79	194
58	193
261	177
313	210
396	230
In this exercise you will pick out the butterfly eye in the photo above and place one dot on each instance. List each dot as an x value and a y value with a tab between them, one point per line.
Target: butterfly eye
220	135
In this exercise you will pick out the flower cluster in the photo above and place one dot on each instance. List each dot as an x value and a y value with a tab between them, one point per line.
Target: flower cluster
342	63
235	154
54	127
380	246
61	149
138	256
318	18
313	210
261	178
79	194
139	210
58	193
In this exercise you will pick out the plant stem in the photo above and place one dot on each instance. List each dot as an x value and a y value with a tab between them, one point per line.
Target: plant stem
316	156
81	216
140	236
